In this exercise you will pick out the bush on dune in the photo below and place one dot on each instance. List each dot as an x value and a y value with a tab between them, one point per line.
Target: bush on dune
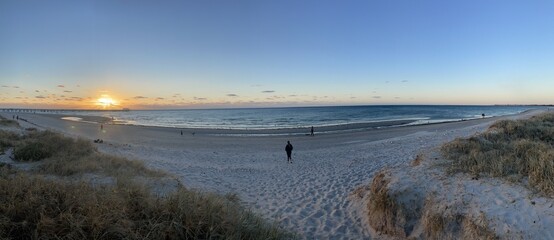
7	140
522	148
66	156
37	146
8	122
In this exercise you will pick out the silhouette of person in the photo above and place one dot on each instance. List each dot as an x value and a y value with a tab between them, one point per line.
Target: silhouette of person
483	115
181	132
312	131
288	149
101	126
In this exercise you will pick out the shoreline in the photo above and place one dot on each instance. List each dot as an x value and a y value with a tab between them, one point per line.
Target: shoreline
292	131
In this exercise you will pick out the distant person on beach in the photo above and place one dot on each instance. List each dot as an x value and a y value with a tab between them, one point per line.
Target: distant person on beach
17	117
181	132
312	131
483	115
101	126
288	149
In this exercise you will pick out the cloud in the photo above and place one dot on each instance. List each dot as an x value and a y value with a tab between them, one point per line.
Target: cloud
256	85
396	97
352	97
67	91
5	86
200	98
404	81
268	91
232	95
376	97
292	95
61	86
37	91
40	96
160	98
140	97
15	87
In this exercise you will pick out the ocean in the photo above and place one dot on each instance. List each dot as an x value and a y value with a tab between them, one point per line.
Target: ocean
301	117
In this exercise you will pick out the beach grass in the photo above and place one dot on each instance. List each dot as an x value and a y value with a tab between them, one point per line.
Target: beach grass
37	208
511	149
64	156
385	214
33	205
8	122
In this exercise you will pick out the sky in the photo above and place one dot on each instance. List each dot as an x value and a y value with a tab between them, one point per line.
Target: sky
205	54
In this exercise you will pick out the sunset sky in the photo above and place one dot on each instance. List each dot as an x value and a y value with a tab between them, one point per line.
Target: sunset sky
204	54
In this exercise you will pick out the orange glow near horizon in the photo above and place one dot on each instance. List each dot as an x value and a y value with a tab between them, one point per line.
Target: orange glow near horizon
106	101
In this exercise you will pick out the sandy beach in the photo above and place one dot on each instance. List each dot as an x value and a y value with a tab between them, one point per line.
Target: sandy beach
309	196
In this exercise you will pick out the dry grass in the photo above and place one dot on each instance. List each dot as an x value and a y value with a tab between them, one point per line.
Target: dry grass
385	214
417	161
408	215
35	208
509	149
449	224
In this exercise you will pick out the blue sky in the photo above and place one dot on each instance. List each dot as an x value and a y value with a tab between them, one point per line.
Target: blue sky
167	54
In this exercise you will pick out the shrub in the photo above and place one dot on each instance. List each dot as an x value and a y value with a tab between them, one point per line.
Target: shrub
32	151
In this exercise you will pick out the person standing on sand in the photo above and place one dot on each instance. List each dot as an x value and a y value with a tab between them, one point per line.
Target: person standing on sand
101	126
288	149
181	132
312	131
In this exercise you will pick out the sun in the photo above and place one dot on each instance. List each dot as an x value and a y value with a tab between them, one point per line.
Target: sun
105	101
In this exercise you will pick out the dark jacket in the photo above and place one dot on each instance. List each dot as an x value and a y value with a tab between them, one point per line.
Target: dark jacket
288	148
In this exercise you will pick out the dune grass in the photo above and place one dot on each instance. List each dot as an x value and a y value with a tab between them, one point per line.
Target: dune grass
8	122
33	208
64	156
512	149
385	214
37	207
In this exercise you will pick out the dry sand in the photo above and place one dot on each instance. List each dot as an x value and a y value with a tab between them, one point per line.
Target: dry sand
309	196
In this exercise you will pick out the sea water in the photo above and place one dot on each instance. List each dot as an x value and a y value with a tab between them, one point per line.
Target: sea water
299	117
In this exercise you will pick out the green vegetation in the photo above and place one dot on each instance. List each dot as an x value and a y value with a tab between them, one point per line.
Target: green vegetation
35	207
9	123
65	156
510	149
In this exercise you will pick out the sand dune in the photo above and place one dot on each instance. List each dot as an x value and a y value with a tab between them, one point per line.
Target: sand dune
309	196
